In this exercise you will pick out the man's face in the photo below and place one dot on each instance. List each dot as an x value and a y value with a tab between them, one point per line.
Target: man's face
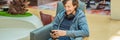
69	7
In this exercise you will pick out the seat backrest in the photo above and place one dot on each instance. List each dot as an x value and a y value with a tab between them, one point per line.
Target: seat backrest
60	6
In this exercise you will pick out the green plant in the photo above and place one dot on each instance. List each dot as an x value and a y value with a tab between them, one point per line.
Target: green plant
4	13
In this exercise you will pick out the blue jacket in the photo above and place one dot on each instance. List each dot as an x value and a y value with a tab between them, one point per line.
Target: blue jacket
79	28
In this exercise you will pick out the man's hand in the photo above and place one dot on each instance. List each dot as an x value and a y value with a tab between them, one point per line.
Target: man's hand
53	35
57	33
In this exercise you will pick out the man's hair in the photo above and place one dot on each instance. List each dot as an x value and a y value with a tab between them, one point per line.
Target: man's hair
74	2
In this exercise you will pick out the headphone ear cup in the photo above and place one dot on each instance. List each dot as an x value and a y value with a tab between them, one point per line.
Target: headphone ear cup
69	17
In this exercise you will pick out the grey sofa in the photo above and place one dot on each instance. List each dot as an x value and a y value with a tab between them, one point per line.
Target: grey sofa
43	33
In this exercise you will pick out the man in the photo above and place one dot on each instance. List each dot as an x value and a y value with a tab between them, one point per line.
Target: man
70	24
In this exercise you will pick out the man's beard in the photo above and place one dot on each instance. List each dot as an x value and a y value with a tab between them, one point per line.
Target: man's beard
70	16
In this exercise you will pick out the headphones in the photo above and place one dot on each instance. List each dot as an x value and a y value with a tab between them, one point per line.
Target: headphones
70	16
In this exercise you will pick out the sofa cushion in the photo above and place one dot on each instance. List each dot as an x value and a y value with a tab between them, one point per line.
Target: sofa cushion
45	18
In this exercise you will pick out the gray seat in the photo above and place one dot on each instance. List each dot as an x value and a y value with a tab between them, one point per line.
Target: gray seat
43	33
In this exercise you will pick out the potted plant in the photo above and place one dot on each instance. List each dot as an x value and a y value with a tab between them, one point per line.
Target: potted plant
16	8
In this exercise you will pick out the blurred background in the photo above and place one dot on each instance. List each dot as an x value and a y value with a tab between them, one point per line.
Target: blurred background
103	16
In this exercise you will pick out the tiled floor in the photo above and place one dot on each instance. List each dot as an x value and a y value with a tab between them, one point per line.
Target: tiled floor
103	28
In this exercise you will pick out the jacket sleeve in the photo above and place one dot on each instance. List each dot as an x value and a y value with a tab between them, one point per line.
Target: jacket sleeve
82	24
55	22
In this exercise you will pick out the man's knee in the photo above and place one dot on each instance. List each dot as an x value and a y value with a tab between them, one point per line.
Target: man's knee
50	39
79	38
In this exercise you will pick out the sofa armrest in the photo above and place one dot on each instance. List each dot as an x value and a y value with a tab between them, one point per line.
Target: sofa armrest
41	33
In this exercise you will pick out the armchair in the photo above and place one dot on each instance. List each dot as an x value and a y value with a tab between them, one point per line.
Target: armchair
43	33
